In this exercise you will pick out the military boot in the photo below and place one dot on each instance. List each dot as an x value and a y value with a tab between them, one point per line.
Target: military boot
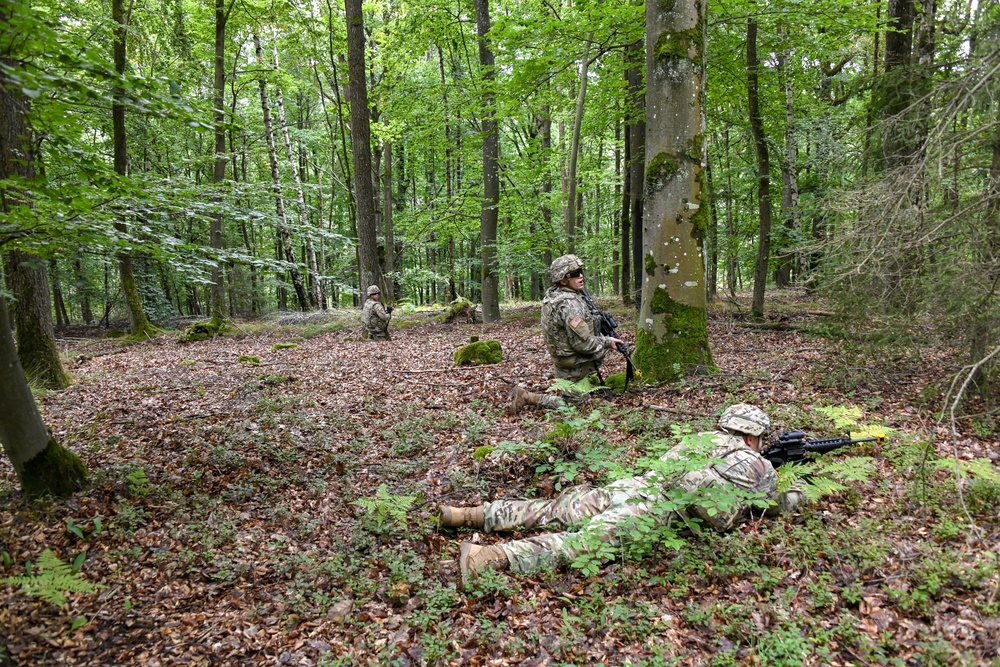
520	397
459	517
473	559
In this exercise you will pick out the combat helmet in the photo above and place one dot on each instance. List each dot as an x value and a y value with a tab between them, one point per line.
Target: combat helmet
374	290
745	418
562	265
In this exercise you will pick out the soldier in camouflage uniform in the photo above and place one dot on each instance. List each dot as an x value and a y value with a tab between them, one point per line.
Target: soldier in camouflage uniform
375	316
737	466
569	330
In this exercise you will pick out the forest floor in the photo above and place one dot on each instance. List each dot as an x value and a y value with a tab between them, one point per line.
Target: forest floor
223	523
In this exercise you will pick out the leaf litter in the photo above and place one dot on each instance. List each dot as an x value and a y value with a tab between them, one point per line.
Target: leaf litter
224	527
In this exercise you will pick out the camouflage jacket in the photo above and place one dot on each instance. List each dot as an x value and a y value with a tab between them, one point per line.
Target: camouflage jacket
735	466
374	319
568	328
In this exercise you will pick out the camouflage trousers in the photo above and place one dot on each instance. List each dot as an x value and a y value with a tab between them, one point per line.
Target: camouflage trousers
608	508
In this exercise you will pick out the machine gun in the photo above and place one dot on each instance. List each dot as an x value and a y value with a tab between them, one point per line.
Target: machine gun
792	446
607	325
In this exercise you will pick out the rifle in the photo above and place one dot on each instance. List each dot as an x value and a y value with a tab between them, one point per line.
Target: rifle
792	446
607	325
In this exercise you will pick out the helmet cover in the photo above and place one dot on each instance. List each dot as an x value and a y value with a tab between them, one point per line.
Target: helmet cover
563	265
745	418
374	290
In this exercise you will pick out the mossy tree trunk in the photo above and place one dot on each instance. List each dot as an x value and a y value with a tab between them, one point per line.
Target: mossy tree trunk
42	464
27	275
491	171
36	343
672	334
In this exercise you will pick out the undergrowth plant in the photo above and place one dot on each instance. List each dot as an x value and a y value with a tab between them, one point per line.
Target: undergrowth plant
384	505
50	579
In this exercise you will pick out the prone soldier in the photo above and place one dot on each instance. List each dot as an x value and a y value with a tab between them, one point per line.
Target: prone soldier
736	465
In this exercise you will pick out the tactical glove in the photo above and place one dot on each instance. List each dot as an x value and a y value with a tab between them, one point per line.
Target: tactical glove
389	308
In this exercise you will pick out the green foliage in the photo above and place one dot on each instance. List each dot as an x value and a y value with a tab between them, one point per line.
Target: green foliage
981	469
284	346
383	506
138	483
52	580
249	360
203	331
479	353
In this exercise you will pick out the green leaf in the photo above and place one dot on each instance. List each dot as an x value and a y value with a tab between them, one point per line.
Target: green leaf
78	622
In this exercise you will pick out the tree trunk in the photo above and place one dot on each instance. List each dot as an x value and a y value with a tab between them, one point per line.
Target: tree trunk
626	220
637	149
138	322
672	333
491	178
42	465
62	317
763	173
315	294
219	172
787	258
390	239
369	270
284	238
574	148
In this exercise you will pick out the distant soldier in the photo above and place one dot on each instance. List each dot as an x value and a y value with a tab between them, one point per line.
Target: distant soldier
375	316
736	464
569	329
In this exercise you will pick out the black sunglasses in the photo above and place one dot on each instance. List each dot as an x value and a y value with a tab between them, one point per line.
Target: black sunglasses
575	274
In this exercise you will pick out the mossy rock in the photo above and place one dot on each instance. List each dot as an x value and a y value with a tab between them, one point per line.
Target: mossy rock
252	360
479	353
460	310
203	331
616	381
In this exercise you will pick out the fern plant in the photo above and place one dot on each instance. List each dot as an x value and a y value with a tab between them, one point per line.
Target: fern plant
52	580
383	506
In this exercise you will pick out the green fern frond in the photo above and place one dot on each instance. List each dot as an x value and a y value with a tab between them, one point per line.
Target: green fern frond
583	387
843	417
384	505
818	487
847	469
53	579
791	473
977	468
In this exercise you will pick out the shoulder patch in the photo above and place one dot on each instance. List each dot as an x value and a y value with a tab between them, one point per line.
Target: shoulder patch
576	321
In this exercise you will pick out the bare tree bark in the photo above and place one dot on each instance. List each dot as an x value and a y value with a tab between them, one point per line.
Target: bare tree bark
138	322
763	172
491	178
574	147
788	260
369	270
637	176
219	172
390	241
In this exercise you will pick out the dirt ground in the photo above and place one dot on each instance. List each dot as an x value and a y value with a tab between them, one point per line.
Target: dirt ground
267	498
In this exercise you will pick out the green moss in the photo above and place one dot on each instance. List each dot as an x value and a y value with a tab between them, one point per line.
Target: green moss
481	453
284	346
616	382
204	330
459	310
684	348
677	45
650	264
660	170
55	470
251	360
479	353
695	147
667	6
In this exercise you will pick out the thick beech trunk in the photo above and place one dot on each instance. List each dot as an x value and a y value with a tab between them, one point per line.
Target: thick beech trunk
637	163
672	332
491	176
42	465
